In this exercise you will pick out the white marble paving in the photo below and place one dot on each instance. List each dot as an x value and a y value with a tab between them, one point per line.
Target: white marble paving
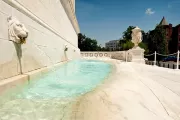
135	92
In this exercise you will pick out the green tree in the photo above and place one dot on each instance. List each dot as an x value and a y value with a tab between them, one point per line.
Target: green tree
127	45
81	39
127	33
145	47
87	44
103	49
125	42
157	40
90	45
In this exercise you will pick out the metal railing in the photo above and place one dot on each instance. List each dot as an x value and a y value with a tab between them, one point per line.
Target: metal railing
155	59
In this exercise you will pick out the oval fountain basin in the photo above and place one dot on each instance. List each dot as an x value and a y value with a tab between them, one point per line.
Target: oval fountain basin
71	79
51	96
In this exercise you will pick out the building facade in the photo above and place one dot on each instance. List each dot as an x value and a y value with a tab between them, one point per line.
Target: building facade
175	39
112	45
172	36
52	27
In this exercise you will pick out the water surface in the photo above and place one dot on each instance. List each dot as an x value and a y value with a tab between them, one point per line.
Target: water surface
50	97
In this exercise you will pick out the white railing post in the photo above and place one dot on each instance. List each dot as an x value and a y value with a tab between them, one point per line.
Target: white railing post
177	60
155	58
126	55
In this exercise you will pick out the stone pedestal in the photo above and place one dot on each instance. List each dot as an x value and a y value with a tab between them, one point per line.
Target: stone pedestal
136	55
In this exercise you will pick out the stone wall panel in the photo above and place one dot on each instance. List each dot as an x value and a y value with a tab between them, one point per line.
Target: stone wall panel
45	43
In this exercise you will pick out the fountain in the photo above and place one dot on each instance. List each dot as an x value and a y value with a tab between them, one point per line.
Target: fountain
17	33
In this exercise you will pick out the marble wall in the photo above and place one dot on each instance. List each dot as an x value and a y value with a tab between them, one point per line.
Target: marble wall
49	31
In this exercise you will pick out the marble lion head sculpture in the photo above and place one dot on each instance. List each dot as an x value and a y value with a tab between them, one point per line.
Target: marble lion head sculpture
136	36
17	31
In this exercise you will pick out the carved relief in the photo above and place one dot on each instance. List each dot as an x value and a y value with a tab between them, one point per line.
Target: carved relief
91	54
105	54
17	31
96	55
100	54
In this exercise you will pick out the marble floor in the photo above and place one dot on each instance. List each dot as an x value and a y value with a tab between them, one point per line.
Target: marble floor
133	92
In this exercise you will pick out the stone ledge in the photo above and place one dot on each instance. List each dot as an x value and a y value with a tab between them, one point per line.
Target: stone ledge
19	80
67	4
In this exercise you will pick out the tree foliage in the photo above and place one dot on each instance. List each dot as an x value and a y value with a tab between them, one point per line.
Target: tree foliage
89	44
127	33
125	42
144	46
127	45
81	39
157	41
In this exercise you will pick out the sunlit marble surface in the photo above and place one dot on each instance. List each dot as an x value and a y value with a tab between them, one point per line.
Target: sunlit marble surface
134	92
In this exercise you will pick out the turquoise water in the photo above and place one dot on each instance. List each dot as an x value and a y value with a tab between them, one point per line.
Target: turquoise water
72	79
51	97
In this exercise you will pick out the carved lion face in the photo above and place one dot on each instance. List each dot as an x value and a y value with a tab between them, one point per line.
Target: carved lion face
17	31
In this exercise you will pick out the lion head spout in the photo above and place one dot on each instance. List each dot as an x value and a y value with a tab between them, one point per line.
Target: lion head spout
17	31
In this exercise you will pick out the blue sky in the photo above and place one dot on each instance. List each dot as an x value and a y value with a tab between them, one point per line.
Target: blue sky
105	20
